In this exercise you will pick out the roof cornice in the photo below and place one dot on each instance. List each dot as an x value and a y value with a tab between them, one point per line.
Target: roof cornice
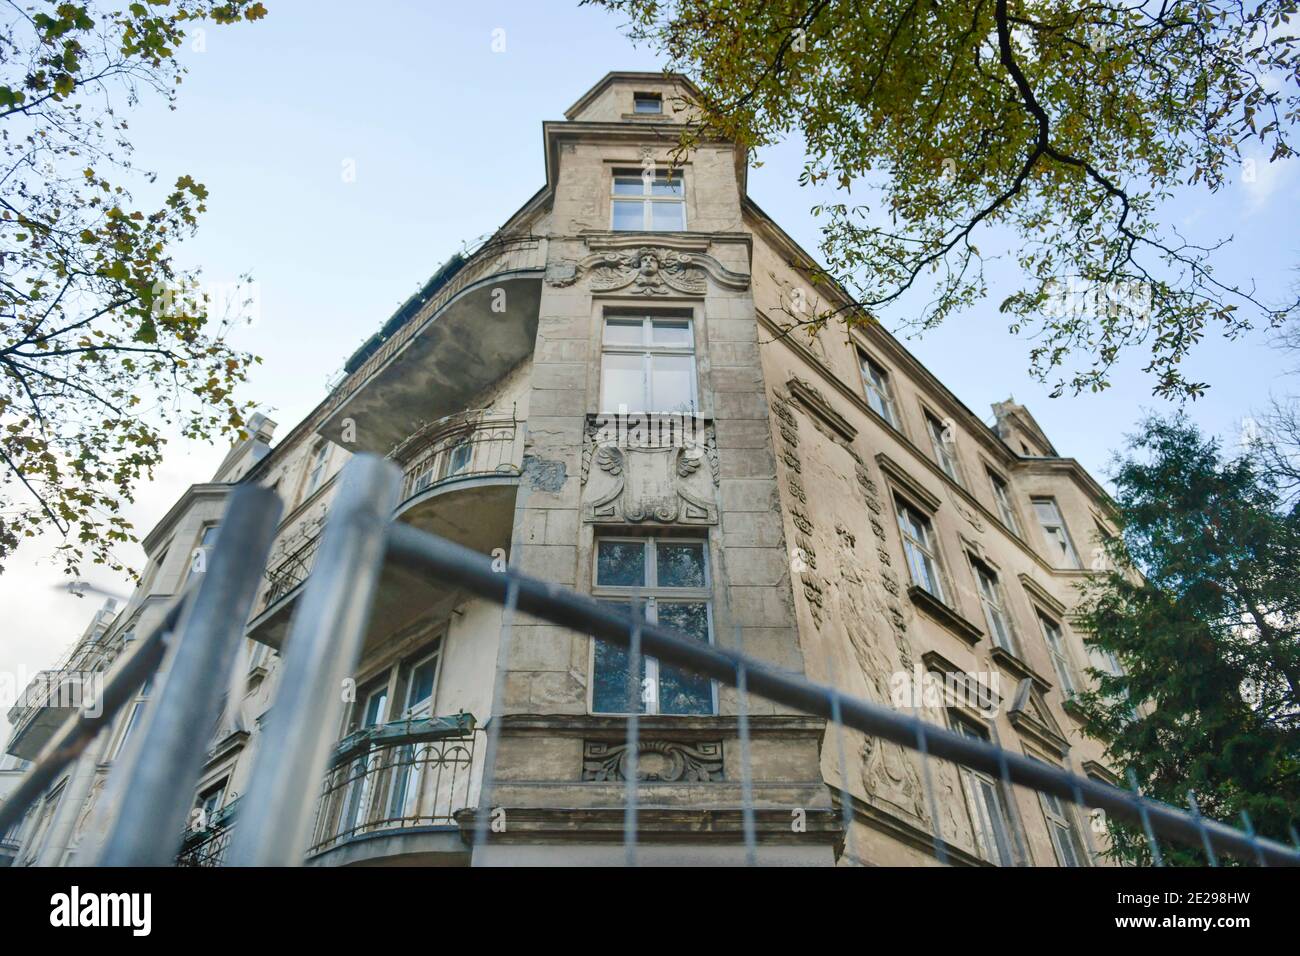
193	494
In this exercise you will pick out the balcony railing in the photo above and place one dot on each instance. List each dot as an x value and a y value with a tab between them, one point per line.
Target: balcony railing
207	847
465	445
471	444
410	773
291	571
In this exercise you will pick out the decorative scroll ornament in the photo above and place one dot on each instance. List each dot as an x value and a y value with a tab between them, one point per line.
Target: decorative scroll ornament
666	483
648	271
664	761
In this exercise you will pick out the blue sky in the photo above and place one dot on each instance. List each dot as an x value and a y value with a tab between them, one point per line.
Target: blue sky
445	138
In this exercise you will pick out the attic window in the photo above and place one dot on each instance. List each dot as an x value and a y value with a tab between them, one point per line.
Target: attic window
647	103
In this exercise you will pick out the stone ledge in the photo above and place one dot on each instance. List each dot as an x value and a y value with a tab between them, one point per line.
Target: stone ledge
942	614
603	726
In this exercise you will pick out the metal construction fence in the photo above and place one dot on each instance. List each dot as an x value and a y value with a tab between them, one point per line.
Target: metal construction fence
280	812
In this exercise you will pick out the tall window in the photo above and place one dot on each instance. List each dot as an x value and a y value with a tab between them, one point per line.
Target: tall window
317	473
1065	834
1060	656
875	380
670	577
151	574
941	440
919	546
647	364
133	717
203	551
1002	497
1106	662
648	201
995	614
988	812
206	805
1059	545
409	778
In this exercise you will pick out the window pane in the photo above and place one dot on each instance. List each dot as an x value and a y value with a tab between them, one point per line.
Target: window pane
675	333
620	564
663	185
623	332
646	104
671	384
629	215
628	186
681	565
612	691
680	692
374	708
667	216
422	682
458	458
621	383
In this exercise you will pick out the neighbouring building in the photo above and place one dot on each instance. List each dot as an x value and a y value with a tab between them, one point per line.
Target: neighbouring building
824	503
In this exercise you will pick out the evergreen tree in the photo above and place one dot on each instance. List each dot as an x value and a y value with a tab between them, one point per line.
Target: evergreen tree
1202	610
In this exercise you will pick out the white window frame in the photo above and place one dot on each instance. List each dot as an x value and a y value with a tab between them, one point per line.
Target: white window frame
638	98
987	823
1002	498
127	727
993	601
217	788
929	548
646	196
204	546
1066	672
650	597
945	453
883	389
1060	548
1058	816
316	472
648	350
431	652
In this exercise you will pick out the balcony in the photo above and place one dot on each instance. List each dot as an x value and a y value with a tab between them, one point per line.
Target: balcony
460	474
53	696
473	329
207	847
392	792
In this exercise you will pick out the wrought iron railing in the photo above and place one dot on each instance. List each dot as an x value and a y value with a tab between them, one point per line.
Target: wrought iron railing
207	847
410	773
291	571
464	445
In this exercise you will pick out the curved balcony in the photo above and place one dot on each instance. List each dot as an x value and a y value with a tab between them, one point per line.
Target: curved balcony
460	475
469	334
392	792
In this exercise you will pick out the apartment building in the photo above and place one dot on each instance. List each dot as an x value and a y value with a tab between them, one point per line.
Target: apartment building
614	392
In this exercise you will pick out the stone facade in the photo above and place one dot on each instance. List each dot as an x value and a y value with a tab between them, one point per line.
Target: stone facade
788	477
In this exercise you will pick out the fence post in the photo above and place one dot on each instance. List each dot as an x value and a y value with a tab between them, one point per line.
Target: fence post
321	650
168	759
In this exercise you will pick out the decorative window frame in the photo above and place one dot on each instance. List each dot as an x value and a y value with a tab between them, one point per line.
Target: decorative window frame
649	595
628	169
895	419
614	309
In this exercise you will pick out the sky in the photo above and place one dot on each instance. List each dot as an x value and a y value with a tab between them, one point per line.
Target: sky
349	149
